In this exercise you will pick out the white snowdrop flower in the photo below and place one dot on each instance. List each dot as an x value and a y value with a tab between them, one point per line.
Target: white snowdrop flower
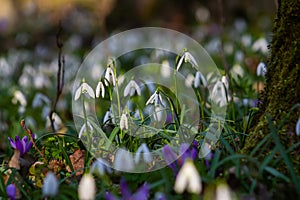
165	69
110	78
57	122
155	98
218	94
199	79
5	68
50	185
100	166
40	99
223	192
187	57
83	129
84	88
236	71
188	178
100	89
131	88
298	127
145	152
19	97
260	45
239	56
123	161
261	69
87	188
225	82
108	117
189	80
246	40
160	113
124	122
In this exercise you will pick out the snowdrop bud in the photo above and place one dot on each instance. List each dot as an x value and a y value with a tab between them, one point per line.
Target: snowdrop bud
124	122
165	69
50	186
146	154
87	188
100	89
261	69
123	160
298	127
223	192
199	79
188	178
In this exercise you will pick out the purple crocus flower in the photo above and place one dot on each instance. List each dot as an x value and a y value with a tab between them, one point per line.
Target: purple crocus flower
23	145
11	191
141	194
170	158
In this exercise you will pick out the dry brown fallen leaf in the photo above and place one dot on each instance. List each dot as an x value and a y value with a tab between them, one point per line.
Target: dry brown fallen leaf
77	160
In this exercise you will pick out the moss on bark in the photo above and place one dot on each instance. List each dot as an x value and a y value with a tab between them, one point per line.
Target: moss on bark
282	89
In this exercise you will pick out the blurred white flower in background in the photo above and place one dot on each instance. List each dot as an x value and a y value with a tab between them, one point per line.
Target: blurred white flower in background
143	149
199	80
260	45
100	166
165	69
87	187
261	69
124	122
50	185
223	191
20	98
188	179
123	161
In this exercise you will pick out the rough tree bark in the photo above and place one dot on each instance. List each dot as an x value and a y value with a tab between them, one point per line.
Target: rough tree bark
282	88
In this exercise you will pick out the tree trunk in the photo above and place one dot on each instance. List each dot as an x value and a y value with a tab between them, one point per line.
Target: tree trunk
282	88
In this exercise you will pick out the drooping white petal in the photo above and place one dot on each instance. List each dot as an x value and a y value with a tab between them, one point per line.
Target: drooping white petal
146	154
160	113
225	82
50	185
83	129
188	178
123	161
100	89
77	93
131	88
187	57
151	99
87	188
180	63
